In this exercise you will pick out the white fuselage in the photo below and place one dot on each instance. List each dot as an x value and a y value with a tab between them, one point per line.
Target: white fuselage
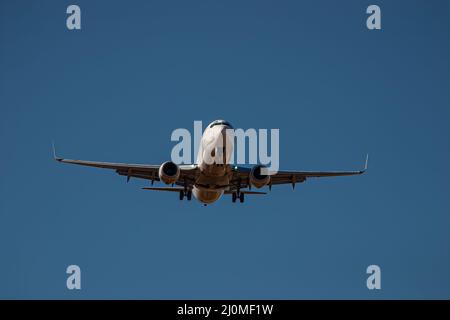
213	159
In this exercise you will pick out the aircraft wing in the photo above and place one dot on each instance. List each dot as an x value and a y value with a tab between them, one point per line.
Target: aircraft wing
142	171
292	177
285	177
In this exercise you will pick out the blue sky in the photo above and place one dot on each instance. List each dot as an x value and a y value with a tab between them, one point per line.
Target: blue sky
115	90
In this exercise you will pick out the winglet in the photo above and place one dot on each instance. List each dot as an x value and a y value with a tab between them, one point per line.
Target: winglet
366	164
54	152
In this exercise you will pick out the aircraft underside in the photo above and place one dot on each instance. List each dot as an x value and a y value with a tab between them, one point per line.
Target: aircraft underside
212	176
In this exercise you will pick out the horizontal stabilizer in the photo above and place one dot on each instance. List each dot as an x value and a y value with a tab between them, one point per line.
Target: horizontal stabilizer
164	189
247	192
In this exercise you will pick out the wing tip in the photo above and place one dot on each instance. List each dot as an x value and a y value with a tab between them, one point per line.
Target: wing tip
55	157
366	164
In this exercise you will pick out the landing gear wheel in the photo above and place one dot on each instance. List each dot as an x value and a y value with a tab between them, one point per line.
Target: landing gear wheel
241	197
233	197
189	195
181	195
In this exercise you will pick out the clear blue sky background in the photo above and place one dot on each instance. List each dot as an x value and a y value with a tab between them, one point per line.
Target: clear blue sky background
115	90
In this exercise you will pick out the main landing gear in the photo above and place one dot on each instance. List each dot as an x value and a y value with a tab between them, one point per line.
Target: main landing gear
236	195
188	195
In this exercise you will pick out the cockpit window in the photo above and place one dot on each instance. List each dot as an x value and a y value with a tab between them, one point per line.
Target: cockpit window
220	122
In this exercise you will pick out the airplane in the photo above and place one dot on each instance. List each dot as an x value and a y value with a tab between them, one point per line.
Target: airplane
209	179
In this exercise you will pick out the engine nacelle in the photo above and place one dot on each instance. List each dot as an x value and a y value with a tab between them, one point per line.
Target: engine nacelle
257	179
169	172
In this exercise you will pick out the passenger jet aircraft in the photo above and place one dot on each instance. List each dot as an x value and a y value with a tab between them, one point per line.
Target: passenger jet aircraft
209	180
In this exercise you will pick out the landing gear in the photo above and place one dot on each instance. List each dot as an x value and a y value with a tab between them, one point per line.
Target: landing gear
236	195
188	195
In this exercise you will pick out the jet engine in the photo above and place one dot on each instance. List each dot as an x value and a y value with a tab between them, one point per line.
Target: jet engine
258	179
169	172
